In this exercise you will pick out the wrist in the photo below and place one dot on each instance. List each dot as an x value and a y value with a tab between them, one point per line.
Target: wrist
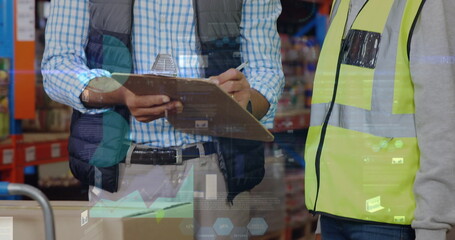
85	96
121	95
93	98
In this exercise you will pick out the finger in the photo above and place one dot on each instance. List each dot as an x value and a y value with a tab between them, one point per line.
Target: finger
229	75
148	101
144	116
235	86
156	111
178	107
214	79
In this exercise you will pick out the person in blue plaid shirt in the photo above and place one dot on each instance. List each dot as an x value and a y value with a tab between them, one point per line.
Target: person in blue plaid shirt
165	27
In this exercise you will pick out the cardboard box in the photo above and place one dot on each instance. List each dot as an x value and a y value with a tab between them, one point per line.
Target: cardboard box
23	220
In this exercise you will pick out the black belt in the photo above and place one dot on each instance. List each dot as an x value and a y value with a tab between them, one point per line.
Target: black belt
169	156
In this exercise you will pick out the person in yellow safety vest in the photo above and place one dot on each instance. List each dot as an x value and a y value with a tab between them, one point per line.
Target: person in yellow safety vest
380	151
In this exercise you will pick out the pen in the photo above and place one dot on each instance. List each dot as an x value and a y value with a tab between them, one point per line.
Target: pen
241	66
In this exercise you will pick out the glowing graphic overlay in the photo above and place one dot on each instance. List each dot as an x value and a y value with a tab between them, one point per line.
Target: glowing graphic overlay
373	204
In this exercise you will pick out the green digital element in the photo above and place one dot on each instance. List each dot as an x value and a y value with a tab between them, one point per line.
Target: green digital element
373	204
116	55
399	143
398	160
399	219
107	84
133	205
129	205
384	144
375	148
160	215
184	195
114	145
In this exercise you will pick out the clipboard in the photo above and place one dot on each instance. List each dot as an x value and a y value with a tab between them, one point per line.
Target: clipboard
207	109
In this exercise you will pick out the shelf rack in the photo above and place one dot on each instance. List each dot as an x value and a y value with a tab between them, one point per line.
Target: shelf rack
21	151
17	44
292	120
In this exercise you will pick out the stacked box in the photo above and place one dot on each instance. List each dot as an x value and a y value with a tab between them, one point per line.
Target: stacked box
74	221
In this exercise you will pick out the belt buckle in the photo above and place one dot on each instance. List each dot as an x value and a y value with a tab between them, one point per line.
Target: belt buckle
178	156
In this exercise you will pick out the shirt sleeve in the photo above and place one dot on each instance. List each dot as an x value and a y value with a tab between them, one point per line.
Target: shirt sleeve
65	74
261	47
433	73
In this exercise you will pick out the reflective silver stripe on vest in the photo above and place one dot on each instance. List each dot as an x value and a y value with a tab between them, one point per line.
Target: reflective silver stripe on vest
362	120
384	75
379	120
334	10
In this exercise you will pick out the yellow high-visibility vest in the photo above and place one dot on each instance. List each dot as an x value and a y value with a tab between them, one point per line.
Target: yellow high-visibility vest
361	152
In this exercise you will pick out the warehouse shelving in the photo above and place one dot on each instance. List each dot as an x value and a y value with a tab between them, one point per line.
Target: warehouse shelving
292	120
299	19
20	150
25	150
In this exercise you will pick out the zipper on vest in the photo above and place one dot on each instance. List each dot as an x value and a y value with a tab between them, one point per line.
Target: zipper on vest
329	112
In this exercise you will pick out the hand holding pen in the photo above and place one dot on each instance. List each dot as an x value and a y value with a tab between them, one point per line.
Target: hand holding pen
235	84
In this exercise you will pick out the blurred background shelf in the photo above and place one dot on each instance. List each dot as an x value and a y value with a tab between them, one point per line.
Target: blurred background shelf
292	120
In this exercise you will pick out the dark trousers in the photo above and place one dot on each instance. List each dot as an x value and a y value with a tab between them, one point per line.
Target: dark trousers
340	229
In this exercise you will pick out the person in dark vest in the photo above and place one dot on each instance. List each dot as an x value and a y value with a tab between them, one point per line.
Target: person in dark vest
121	145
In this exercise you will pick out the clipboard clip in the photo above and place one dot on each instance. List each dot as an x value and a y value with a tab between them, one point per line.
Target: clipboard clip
164	65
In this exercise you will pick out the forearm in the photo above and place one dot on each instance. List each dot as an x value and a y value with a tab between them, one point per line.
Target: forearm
260	105
65	79
261	49
103	92
64	69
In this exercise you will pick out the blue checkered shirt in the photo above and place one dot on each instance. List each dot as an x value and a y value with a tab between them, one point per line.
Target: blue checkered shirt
164	26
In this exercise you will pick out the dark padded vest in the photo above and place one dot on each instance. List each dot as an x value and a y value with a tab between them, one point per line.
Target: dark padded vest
96	141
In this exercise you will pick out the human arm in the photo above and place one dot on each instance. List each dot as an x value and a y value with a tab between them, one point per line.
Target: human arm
234	83
433	73
260	47
68	80
65	74
106	92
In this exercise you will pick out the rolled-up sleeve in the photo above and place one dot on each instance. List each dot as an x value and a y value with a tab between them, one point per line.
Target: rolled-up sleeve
261	48
64	69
